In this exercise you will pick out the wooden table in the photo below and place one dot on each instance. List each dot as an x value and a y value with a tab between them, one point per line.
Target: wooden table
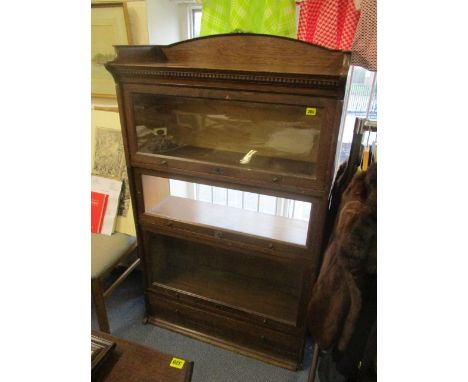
132	362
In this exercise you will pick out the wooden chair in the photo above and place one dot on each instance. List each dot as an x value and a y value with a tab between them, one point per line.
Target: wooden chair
106	253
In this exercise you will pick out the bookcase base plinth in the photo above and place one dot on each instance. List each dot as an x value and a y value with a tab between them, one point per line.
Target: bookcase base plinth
267	345
272	359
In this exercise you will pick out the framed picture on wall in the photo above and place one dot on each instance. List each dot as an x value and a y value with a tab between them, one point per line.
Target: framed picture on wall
109	26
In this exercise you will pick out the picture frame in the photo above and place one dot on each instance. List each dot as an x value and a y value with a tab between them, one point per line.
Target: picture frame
100	349
109	26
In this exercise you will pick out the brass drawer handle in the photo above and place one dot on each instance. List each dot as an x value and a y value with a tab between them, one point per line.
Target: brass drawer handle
218	171
163	162
275	179
218	234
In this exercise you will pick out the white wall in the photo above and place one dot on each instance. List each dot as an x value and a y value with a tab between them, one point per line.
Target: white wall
167	21
183	21
138	21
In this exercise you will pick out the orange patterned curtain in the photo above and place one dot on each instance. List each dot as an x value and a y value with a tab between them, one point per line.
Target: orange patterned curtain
343	25
330	23
365	41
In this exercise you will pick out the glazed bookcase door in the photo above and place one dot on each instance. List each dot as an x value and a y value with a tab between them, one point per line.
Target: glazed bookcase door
279	138
241	135
258	286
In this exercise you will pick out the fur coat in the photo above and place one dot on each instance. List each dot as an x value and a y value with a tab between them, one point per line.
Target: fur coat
350	257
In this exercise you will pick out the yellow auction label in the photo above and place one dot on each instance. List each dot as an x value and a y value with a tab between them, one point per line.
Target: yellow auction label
311	111
177	363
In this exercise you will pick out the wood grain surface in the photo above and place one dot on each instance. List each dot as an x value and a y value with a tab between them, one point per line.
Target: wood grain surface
233	219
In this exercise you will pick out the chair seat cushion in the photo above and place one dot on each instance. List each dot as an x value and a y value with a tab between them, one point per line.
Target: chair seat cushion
107	250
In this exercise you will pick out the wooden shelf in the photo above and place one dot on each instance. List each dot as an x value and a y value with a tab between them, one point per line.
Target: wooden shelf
231	158
232	219
278	302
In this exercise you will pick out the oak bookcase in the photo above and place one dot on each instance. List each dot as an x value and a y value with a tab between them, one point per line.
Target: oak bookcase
250	115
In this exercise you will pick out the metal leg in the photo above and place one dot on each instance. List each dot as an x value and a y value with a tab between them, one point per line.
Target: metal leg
121	278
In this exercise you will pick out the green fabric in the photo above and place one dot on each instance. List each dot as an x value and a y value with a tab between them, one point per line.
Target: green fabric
274	17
